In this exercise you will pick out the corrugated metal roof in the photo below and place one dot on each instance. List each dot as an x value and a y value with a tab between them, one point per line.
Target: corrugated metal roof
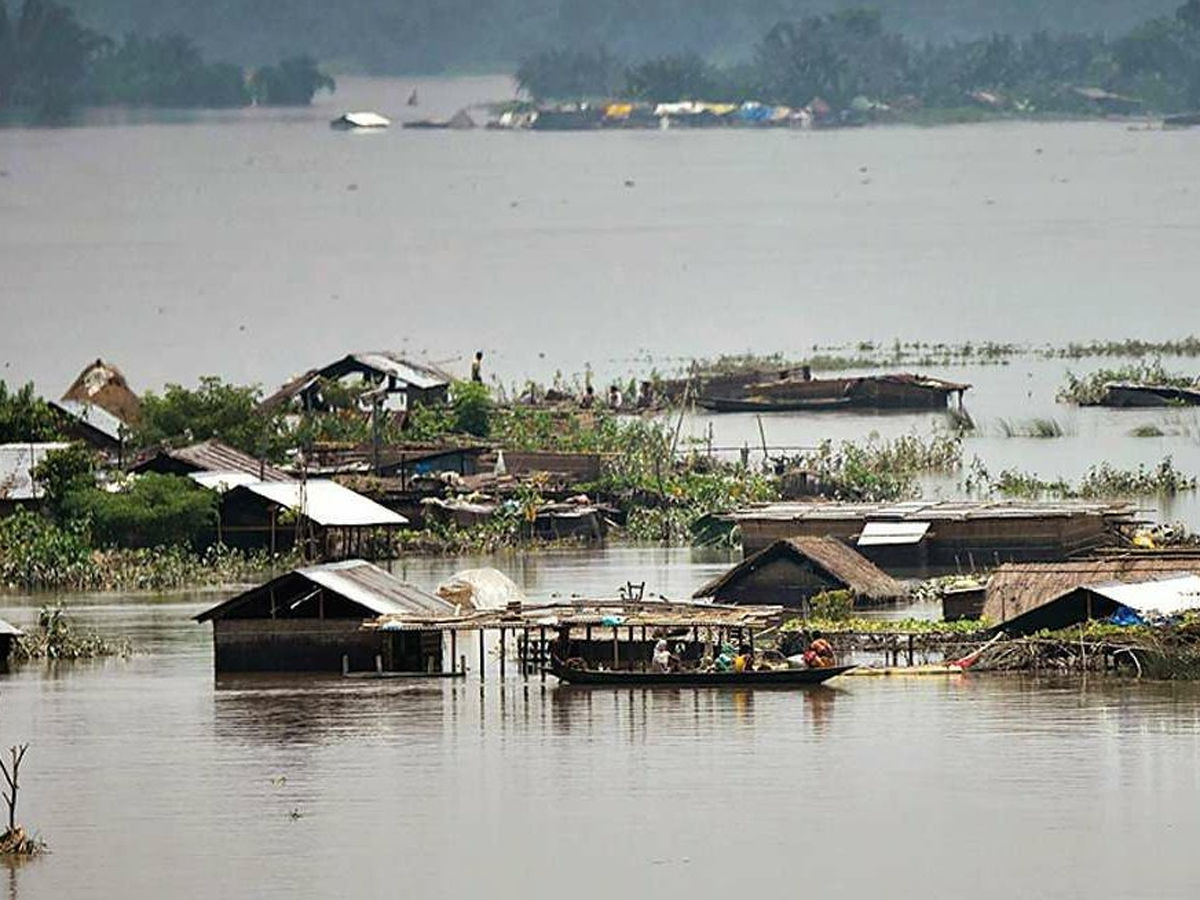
214	456
11	630
326	503
222	481
93	416
932	510
891	533
418	375
376	589
1166	595
379	592
17	462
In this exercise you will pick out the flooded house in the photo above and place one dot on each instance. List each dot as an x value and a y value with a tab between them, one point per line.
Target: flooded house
322	518
8	636
791	572
400	382
18	488
943	536
311	620
1025	598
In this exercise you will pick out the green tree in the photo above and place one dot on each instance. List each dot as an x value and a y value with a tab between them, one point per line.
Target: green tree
683	77
64	472
25	417
164	71
227	412
570	74
292	82
48	56
154	511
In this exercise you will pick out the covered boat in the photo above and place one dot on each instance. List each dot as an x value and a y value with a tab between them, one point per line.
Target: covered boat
693	678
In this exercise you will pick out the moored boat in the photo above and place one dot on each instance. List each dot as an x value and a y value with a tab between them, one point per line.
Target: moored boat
693	678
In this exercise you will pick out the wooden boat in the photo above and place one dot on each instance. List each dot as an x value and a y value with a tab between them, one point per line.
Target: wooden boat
760	678
754	404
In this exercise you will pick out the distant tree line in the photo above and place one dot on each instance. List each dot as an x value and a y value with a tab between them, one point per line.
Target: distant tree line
50	63
847	54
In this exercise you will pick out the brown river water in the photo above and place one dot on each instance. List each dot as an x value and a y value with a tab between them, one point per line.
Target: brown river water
256	244
149	779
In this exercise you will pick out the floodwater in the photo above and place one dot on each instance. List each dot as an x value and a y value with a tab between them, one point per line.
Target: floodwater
149	779
255	244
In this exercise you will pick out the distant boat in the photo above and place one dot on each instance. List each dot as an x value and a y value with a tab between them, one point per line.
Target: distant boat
460	120
412	98
355	120
1182	120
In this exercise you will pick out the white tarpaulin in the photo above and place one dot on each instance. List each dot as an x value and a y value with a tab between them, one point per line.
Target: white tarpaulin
1166	596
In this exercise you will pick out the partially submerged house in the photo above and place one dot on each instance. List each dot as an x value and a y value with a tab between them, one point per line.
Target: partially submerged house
311	620
8	636
206	463
102	384
791	572
1024	598
18	488
401	382
931	536
322	518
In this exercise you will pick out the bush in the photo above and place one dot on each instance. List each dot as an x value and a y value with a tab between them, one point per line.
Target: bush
472	408
156	510
36	553
832	606
63	472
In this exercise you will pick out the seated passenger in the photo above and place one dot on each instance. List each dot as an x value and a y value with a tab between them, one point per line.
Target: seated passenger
820	653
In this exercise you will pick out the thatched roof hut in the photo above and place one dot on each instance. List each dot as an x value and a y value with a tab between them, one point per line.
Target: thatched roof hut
102	384
791	571
1016	588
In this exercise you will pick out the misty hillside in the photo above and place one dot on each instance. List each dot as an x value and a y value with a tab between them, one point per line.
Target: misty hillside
428	36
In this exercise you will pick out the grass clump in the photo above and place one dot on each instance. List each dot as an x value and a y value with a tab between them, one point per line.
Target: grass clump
56	638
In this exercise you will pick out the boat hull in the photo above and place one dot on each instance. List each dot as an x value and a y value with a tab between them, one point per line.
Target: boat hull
766	678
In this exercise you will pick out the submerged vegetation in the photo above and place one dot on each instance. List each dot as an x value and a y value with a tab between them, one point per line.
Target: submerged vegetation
56	638
37	554
1101	482
1090	389
879	469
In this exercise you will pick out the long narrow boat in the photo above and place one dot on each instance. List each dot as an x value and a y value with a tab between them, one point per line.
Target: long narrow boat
752	404
761	678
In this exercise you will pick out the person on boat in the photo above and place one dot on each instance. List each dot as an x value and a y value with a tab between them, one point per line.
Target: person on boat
661	660
589	398
820	653
560	647
645	399
724	660
744	661
477	367
615	400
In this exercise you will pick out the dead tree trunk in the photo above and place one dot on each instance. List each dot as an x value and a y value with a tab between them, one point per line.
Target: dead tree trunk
12	772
